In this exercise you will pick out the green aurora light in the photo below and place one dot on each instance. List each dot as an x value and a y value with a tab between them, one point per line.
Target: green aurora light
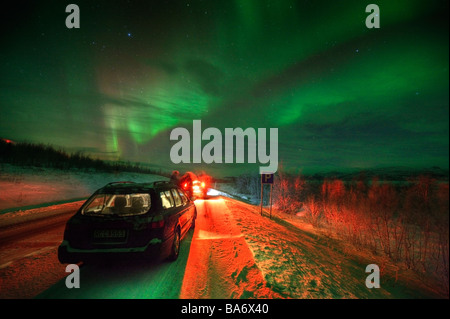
343	96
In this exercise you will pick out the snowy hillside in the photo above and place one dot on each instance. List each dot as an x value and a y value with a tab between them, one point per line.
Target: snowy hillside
29	186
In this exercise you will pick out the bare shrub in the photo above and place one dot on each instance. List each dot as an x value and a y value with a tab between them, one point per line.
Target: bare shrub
313	213
333	193
408	222
288	192
383	201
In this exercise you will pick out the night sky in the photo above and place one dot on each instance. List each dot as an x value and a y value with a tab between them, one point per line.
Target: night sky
341	95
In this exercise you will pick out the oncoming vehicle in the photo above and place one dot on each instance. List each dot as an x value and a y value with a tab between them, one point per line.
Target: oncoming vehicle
195	186
199	189
129	219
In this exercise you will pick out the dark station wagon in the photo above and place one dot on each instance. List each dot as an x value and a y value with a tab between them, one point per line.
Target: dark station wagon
126	218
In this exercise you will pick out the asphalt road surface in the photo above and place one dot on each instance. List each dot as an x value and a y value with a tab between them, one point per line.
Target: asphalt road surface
209	257
232	253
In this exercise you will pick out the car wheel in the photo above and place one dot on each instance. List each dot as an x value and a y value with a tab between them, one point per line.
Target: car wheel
64	257
175	250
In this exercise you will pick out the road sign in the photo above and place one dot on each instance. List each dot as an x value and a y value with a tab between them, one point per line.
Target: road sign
267	178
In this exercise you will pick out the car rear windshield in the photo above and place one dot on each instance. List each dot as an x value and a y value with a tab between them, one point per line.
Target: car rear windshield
118	204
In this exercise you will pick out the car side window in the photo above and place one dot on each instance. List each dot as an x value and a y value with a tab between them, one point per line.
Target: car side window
183	197
166	200
177	198
169	196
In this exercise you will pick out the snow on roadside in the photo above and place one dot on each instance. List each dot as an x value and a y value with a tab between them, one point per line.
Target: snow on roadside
23	186
228	190
297	263
37	187
220	264
22	216
399	281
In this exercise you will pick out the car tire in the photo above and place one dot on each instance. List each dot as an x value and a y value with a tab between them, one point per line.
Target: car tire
175	249
64	258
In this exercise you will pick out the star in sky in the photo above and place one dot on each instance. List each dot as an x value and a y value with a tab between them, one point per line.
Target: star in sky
349	97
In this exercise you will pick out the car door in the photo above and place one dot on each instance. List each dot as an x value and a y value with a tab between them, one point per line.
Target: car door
190	210
170	213
184	217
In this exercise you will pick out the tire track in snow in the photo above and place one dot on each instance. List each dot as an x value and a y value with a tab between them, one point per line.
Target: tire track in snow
298	265
220	264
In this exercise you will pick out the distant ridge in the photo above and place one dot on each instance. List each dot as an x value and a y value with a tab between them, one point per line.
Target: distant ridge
385	173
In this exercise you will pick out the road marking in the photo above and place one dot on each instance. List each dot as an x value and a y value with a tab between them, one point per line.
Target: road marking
206	235
33	253
6	264
40	251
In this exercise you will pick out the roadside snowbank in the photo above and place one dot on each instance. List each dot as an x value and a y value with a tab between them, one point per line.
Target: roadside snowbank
33	186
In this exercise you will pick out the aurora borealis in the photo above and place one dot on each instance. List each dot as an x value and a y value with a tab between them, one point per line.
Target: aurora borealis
342	96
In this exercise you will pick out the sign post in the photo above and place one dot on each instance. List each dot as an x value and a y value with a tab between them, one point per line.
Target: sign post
266	179
262	192
270	210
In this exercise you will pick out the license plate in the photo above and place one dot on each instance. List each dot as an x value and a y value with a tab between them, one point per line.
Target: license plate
110	233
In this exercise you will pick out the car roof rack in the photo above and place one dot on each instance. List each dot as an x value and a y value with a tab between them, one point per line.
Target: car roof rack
124	182
160	183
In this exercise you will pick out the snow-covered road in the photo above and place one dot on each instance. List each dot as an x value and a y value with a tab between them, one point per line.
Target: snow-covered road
220	263
233	252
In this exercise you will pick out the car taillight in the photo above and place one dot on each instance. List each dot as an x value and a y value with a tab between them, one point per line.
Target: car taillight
157	224
203	184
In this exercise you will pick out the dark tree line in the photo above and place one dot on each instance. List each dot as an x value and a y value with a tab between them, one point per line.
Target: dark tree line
46	156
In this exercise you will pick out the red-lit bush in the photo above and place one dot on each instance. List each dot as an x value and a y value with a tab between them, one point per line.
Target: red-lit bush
407	221
287	195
